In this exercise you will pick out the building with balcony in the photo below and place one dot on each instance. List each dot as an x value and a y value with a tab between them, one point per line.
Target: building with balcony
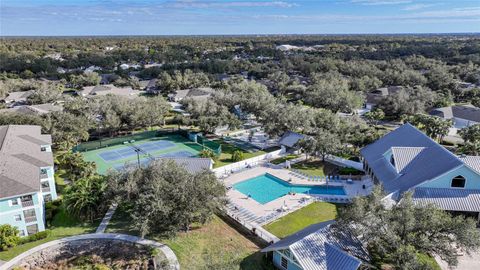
26	177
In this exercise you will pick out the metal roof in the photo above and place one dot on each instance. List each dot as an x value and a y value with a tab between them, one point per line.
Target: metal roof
404	155
322	247
451	199
290	138
472	161
424	165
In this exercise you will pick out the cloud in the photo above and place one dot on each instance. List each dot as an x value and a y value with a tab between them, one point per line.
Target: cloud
224	4
417	7
380	2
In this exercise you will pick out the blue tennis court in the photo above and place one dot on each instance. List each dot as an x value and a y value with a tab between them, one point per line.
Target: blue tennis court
129	151
146	161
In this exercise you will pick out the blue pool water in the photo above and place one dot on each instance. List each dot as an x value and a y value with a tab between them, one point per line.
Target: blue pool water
266	188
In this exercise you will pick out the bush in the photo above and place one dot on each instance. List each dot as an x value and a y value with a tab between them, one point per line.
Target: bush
51	209
8	236
207	153
237	156
35	237
352	171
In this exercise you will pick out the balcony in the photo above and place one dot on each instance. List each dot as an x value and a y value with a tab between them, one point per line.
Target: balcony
30	219
27	201
45	189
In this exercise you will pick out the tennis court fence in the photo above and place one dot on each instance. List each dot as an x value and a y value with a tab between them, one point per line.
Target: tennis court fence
195	137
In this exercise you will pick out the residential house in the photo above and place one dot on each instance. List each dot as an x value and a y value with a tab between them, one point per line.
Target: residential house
319	247
407	160
198	94
38	109
108	89
151	87
462	116
26	177
289	141
17	98
377	95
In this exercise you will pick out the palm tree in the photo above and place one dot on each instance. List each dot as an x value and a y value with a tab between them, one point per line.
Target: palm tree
86	199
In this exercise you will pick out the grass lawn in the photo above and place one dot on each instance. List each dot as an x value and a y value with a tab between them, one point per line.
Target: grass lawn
215	245
315	167
313	213
227	151
283	159
62	226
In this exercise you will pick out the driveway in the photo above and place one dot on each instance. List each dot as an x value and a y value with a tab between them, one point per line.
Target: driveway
464	262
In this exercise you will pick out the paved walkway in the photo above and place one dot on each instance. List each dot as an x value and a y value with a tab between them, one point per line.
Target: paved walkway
465	262
106	219
171	257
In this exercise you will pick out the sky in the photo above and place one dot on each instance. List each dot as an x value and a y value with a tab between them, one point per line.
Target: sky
230	17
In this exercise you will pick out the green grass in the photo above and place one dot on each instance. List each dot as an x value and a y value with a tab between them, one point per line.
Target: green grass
227	151
62	226
283	159
428	260
300	219
215	245
315	167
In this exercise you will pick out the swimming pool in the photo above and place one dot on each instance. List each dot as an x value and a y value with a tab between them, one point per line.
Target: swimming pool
266	188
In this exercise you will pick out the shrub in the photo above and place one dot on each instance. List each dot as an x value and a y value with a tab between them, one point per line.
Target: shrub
352	171
51	209
35	237
207	153
8	236
237	156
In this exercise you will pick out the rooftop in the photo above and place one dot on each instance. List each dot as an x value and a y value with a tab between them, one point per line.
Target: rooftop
21	158
467	112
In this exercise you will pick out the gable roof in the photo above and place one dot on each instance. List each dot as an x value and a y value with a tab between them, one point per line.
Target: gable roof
419	168
290	138
465	200
467	112
320	246
472	161
21	159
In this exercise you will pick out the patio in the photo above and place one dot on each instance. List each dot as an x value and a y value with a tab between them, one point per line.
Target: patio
248	209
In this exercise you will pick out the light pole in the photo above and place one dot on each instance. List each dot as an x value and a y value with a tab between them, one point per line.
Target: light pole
138	156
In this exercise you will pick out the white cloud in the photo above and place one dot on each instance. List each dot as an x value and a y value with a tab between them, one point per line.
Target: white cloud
223	4
417	7
380	2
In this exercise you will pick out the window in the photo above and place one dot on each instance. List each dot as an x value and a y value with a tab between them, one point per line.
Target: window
18	217
13	202
392	160
458	182
31	229
47	198
43	149
284	263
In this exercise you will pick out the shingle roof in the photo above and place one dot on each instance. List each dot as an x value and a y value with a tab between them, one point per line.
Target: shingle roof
428	163
322	247
449	199
21	158
467	112
34	109
290	138
19	96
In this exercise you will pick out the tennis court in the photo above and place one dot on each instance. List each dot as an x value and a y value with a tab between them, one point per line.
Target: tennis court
118	156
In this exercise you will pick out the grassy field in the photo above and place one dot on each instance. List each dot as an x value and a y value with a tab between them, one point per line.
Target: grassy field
62	226
283	159
306	216
315	167
215	245
227	151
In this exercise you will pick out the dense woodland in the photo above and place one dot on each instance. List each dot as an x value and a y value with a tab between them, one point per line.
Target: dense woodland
301	90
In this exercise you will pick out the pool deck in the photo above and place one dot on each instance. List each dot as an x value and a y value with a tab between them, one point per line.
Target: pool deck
288	202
